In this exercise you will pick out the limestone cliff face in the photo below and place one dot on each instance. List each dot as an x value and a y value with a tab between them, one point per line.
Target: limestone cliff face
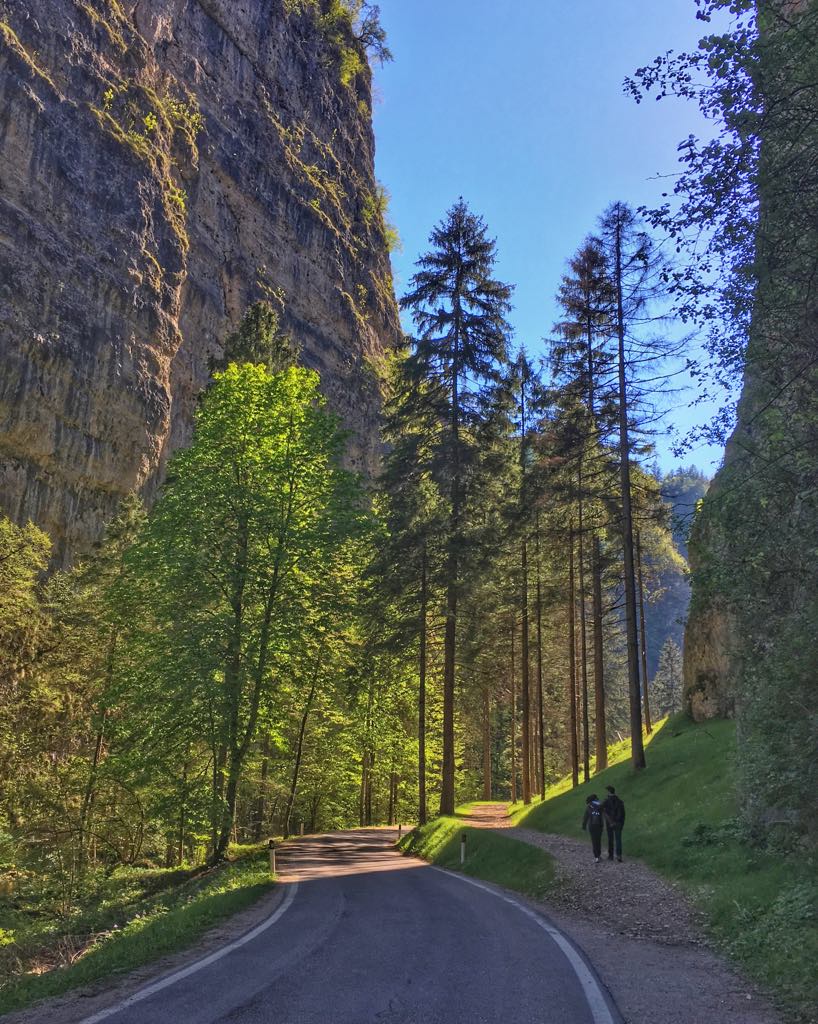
163	164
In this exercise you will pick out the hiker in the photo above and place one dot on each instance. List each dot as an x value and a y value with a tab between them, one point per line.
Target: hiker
614	811
593	821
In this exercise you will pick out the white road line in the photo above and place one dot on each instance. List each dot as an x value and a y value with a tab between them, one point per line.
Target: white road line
185	972
597	1003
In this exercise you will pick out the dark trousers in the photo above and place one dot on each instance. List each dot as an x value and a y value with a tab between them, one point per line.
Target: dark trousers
596	840
614	839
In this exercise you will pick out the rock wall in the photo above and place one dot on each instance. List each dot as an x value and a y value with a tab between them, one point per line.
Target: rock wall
710	641
163	164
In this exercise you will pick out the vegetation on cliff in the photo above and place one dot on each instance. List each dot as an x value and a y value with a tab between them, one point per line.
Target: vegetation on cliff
753	192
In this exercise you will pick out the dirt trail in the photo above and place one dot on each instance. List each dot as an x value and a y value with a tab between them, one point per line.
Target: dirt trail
642	934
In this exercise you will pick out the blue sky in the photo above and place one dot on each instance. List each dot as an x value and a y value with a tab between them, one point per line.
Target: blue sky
518	106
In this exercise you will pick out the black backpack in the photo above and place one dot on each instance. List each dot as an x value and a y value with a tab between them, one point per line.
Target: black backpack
594	816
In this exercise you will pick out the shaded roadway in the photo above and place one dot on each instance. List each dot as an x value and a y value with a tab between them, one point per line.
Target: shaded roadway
372	936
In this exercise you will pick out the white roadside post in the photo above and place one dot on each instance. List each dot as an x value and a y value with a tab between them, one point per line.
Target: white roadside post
302	828
271	846
462	847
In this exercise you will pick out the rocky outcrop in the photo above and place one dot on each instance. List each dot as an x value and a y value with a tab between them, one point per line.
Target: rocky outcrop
709	644
163	164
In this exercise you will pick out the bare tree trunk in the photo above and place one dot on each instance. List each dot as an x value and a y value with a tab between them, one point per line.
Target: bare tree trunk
449	642
392	788
525	682
298	753
513	720
540	713
583	628
637	746
261	801
452	573
643	635
486	744
572	664
601	730
369	788
180	841
89	796
424	600
219	762
362	791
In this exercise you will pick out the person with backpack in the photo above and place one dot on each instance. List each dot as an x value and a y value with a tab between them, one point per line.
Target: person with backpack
593	821
614	811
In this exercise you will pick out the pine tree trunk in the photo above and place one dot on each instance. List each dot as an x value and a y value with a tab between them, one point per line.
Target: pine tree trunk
583	628
600	730
452	573
634	693
525	682
572	664
513	720
643	635
540	710
424	599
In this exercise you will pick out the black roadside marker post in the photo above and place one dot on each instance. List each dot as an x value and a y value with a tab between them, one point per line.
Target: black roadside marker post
271	846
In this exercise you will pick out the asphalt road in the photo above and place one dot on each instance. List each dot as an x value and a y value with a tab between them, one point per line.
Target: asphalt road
363	934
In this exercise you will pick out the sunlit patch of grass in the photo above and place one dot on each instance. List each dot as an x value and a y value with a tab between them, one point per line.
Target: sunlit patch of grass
491	856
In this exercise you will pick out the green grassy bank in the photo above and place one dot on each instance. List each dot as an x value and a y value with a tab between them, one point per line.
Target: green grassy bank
682	819
489	856
120	922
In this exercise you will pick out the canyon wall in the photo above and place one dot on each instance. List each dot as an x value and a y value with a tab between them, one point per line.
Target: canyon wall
164	164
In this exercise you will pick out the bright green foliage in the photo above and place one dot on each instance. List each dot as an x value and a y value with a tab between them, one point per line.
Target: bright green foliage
24	554
228	571
684	819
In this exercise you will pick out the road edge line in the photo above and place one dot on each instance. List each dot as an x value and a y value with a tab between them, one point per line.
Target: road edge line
595	995
185	972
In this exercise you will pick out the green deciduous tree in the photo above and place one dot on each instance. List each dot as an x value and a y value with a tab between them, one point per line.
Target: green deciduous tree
234	552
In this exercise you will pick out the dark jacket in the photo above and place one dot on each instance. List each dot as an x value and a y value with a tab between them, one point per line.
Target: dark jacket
593	818
614	811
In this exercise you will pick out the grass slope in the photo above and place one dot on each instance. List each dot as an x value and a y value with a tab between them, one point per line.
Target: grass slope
490	856
682	819
135	917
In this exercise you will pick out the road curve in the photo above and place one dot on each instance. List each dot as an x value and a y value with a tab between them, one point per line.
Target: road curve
364	934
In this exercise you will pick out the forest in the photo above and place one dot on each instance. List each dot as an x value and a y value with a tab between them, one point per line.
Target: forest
279	644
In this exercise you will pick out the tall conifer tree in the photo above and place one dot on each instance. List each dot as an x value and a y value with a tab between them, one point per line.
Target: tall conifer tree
459	310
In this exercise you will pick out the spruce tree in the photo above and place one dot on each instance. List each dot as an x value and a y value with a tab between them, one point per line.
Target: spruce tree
459	310
636	273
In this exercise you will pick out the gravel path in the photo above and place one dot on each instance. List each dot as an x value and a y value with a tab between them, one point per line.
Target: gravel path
641	933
